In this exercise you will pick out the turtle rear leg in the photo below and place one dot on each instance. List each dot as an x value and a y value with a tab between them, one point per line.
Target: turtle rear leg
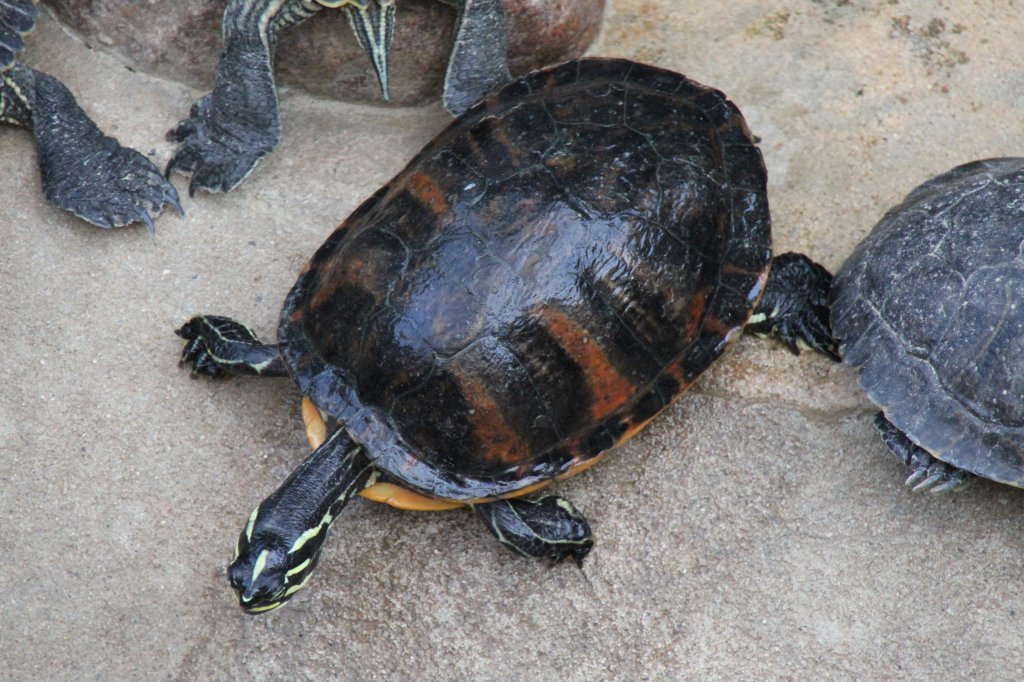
546	528
83	170
230	129
17	17
219	345
926	472
794	307
479	58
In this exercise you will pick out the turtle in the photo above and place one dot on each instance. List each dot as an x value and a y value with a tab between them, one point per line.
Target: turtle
930	308
83	170
230	129
542	279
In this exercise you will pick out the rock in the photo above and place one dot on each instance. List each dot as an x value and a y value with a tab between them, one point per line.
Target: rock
180	39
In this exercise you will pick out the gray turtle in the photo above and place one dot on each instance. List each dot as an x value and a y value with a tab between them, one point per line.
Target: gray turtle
83	170
232	128
930	306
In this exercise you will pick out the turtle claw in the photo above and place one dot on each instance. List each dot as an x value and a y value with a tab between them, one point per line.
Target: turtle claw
83	170
116	186
229	130
810	332
794	307
936	476
213	164
219	345
195	352
926	472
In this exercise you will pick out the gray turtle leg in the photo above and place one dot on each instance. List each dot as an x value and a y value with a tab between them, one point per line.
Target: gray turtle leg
83	170
230	129
926	472
794	307
546	528
17	17
479	58
219	345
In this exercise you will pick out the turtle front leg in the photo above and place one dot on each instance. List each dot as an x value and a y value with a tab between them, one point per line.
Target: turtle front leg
280	545
219	345
478	62
926	472
546	528
230	129
83	170
794	307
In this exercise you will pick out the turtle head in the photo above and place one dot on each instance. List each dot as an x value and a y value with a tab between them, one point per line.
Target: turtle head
272	564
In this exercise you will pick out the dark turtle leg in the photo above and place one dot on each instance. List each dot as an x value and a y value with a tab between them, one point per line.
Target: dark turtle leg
280	545
17	17
83	170
230	129
479	58
218	345
794	306
926	472
546	528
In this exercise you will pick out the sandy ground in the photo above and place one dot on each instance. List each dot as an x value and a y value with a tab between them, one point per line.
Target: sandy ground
757	530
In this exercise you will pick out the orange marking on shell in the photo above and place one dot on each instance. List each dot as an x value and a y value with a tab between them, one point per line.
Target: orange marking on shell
499	441
715	325
696	313
428	192
396	496
334	272
500	135
675	371
637	428
403	498
733	269
608	388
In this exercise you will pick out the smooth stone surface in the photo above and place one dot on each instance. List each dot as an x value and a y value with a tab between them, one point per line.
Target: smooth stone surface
180	39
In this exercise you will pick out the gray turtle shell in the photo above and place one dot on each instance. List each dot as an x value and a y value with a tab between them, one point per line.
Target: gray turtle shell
930	306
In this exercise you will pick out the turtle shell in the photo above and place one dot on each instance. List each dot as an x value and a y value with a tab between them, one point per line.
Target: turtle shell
931	307
543	278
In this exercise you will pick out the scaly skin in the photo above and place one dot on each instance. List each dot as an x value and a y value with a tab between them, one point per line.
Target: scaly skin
83	170
230	129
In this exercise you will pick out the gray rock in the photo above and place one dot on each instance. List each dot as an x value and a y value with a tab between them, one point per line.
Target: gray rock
180	39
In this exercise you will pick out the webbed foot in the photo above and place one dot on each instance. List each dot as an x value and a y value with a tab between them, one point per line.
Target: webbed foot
926	472
219	345
229	130
83	170
546	528
794	307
